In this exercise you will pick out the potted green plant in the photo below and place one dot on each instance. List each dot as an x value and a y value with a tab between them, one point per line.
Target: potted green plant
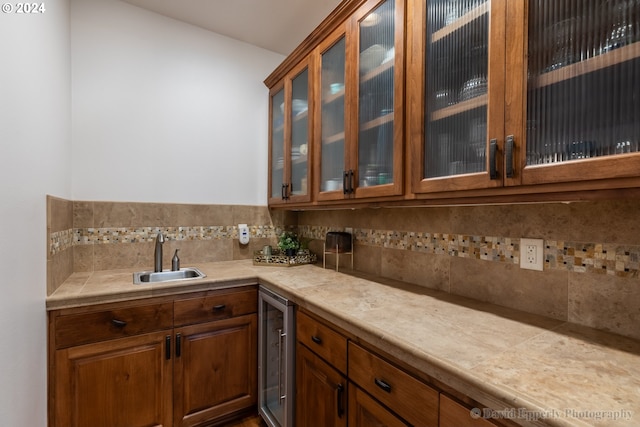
289	243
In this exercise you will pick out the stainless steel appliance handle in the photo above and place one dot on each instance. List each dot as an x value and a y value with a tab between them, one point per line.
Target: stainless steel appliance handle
280	336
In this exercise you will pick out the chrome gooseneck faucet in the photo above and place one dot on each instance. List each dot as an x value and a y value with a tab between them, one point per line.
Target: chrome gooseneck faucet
158	253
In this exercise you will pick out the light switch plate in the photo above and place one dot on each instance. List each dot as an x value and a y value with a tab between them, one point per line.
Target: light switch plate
532	254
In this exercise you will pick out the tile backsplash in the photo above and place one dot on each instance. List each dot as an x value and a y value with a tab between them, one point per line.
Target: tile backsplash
592	249
87	236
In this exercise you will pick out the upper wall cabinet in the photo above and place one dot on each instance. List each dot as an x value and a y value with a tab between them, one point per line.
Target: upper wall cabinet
520	93
459	100
360	113
457	103
291	127
581	117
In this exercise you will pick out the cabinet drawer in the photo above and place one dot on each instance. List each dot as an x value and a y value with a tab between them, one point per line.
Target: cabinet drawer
85	328
453	414
215	307
410	398
324	341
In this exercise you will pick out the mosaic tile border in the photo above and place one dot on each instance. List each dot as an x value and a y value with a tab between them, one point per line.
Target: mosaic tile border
599	258
62	240
580	257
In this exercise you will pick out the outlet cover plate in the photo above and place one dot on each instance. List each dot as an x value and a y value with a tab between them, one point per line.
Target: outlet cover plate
532	254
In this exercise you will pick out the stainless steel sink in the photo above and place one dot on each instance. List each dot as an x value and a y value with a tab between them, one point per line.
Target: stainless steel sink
167	275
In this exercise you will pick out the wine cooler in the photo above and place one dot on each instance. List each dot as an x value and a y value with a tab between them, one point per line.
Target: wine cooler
276	363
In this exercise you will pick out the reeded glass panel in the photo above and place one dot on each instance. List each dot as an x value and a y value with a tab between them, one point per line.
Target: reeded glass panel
277	143
375	138
456	87
299	132
584	86
332	119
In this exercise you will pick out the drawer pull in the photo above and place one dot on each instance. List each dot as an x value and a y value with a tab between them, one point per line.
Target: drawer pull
219	307
316	339
383	385
178	345
118	323
167	347
340	399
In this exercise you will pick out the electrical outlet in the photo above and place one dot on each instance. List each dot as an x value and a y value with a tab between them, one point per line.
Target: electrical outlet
531	254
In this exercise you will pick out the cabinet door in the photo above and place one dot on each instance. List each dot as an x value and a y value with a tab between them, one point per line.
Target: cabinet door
291	131
215	369
377	127
366	412
301	130
320	392
276	145
122	382
582	95
331	170
456	107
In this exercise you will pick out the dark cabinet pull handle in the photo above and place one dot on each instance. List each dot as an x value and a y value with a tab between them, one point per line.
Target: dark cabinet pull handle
167	347
345	182
316	339
383	385
286	191
282	196
178	345
493	149
219	307
118	323
508	152
351	175
340	399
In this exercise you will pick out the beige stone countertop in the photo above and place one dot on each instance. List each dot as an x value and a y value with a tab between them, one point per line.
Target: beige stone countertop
530	369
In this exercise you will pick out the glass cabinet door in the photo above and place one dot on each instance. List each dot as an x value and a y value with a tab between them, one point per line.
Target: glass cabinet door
462	126
583	91
380	78
291	126
276	155
332	158
300	131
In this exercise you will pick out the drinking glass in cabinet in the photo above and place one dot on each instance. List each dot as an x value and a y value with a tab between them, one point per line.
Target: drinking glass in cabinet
376	95
299	132
456	82
583	99
332	161
277	143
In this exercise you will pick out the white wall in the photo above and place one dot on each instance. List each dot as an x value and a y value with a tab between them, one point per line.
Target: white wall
35	160
164	111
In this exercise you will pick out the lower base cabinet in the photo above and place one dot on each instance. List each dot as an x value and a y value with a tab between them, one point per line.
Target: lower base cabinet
321	391
223	382
124	382
341	381
364	411
187	362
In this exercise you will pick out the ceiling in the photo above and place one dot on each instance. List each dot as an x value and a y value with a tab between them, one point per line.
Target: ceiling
276	25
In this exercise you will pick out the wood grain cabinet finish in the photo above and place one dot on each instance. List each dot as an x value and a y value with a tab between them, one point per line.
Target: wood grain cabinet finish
485	105
322	340
364	411
85	328
321	391
413	400
125	364
321	366
121	382
453	414
215	369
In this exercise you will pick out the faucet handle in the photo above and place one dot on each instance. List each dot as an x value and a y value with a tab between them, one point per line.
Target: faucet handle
160	237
